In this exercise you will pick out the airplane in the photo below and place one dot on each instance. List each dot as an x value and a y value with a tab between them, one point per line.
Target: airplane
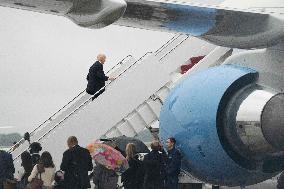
218	145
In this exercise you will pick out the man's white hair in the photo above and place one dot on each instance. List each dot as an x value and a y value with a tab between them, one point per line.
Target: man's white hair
101	56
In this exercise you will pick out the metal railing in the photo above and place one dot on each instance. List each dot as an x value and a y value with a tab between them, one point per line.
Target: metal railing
61	109
167	43
83	104
174	48
89	99
141	58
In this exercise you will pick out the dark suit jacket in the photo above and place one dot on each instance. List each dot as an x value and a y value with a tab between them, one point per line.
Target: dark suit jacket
173	163
6	165
154	167
96	78
76	163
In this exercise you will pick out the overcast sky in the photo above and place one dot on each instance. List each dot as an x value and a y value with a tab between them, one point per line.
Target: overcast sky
44	60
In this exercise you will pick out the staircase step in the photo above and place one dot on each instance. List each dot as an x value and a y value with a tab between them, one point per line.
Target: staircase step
146	113
136	121
126	129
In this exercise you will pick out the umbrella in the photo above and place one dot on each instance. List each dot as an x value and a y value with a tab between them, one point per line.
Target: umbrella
108	157
121	142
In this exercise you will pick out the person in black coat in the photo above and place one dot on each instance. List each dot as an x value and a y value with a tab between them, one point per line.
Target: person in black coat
35	148
25	170
133	176
280	181
76	163
154	168
96	77
7	168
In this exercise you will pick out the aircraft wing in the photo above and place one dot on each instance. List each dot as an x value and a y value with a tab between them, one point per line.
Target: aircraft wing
237	24
85	13
240	27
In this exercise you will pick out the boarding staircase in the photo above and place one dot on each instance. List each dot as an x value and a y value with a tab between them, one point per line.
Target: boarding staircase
130	105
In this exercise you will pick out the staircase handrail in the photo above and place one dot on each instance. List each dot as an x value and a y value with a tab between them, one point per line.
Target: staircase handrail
167	43
174	48
50	118
83	104
156	53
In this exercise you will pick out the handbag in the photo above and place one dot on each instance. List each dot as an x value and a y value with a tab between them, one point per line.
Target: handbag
9	184
36	182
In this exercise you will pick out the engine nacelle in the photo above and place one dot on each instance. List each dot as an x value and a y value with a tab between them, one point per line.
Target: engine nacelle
203	113
96	13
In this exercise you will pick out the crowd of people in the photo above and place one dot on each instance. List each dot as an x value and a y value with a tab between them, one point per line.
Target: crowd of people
158	169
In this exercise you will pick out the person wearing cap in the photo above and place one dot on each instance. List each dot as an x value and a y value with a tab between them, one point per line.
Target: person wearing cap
96	77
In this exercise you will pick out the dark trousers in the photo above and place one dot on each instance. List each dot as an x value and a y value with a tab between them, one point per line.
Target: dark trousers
2	183
172	183
152	186
98	94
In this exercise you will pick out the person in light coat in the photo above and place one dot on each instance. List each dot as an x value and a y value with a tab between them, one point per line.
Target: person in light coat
45	170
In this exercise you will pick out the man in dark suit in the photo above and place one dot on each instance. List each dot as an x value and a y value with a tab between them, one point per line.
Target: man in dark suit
96	77
6	167
173	164
76	163
154	168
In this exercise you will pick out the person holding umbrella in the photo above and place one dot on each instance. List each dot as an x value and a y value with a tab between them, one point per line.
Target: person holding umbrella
120	143
109	163
104	178
133	176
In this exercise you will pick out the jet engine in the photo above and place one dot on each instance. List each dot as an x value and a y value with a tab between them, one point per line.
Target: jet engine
228	120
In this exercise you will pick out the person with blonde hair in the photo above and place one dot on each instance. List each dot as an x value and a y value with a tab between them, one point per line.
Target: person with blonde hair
96	77
130	151
133	176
